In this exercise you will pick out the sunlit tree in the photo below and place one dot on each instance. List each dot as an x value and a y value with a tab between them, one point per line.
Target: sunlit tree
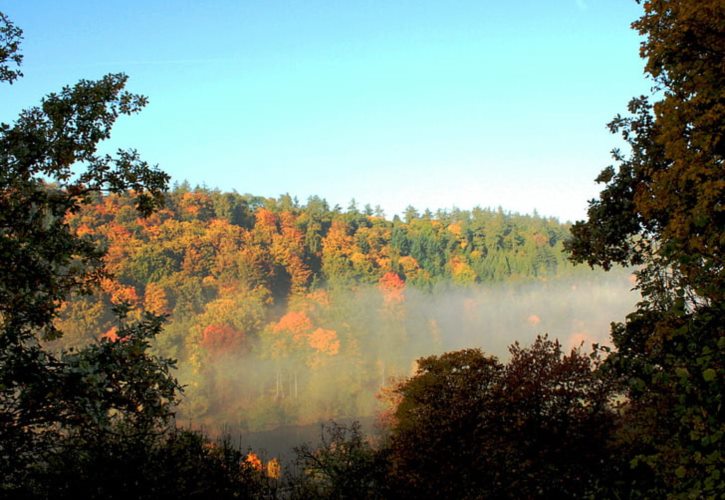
661	210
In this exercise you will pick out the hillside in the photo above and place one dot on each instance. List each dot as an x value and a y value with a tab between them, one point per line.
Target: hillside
282	313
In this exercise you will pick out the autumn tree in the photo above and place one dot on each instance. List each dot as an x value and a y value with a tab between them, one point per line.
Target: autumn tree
337	249
661	210
288	251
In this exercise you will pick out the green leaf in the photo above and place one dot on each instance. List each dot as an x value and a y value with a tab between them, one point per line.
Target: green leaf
682	372
709	375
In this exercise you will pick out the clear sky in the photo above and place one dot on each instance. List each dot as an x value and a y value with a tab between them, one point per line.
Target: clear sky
434	103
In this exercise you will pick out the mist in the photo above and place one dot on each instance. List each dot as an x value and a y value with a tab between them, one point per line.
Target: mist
328	354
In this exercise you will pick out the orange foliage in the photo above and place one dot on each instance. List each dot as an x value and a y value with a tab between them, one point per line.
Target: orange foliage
324	341
299	273
384	263
112	335
393	288
120	293
320	297
338	242
108	206
120	242
455	228
152	224
540	240
253	461
376	256
193	263
84	229
253	262
117	233
265	224
225	240
294	322
195	205
266	218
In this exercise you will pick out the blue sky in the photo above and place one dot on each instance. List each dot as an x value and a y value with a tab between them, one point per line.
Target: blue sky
430	103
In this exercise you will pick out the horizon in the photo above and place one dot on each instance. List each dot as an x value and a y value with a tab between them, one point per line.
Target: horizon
434	106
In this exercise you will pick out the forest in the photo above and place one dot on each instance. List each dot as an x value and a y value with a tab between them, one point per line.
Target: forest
144	328
283	314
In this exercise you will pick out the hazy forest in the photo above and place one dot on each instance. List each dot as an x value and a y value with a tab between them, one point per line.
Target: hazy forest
155	337
287	314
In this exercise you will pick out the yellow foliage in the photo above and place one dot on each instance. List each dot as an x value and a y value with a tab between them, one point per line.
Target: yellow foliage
461	272
155	300
274	469
358	259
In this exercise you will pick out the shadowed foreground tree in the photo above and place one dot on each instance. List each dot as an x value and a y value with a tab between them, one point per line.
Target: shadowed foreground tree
345	465
45	398
662	209
94	422
468	426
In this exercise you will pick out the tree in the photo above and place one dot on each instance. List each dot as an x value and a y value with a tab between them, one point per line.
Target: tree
10	56
468	426
49	168
661	210
345	465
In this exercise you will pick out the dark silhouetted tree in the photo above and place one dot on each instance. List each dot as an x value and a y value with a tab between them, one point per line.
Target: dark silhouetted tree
661	210
468	426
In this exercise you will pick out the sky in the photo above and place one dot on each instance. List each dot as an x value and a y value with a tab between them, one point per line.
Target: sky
430	103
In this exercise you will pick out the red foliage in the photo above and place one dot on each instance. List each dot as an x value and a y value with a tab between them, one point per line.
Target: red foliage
393	288
219	338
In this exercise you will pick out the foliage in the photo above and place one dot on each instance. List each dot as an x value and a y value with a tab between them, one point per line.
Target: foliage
229	282
345	465
92	416
178	464
440	408
10	37
289	253
468	426
93	422
661	209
